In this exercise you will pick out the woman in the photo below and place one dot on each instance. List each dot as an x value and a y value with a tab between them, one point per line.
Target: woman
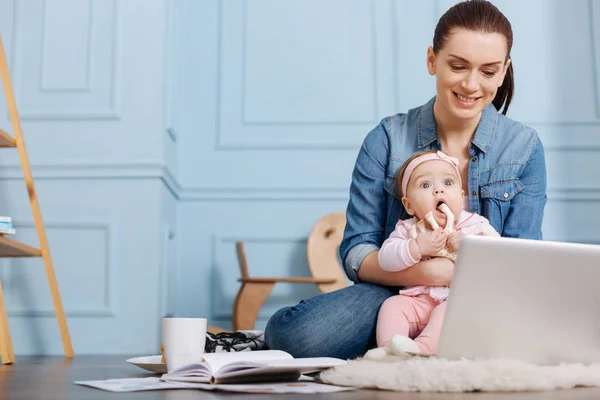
502	170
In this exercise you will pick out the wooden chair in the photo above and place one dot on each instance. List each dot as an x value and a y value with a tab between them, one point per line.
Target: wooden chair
327	273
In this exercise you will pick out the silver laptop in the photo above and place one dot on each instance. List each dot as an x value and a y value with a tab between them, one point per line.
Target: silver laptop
536	301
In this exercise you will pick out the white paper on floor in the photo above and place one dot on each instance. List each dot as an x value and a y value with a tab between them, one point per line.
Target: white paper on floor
304	385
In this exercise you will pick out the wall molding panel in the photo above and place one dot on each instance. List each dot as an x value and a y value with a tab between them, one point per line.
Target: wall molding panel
53	79
241	38
18	306
47	92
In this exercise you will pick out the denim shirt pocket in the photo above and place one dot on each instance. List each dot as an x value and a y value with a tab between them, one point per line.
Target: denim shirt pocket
496	198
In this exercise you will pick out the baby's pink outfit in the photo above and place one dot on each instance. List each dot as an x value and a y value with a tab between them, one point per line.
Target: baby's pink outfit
418	311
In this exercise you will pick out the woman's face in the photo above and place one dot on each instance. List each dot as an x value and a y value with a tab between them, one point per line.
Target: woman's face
469	70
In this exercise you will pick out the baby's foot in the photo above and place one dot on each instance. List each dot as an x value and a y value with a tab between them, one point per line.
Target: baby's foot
378	353
400	345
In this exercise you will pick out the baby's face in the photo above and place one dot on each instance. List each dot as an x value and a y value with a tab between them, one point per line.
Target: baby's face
432	183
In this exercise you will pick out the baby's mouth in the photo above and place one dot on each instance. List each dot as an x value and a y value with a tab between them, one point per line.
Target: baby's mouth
439	214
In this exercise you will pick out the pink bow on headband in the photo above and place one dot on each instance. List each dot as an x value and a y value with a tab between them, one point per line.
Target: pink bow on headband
445	156
453	161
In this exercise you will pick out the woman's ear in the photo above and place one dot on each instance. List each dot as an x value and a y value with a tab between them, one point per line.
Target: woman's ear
431	61
407	206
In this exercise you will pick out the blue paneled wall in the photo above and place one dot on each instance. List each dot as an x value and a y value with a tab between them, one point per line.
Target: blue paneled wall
162	131
89	77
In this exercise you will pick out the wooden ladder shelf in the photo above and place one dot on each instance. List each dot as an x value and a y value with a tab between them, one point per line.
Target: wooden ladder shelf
13	248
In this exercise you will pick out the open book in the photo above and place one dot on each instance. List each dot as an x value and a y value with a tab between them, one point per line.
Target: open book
249	366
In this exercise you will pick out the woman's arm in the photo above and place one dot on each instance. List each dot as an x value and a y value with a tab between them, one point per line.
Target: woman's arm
366	210
524	218
435	272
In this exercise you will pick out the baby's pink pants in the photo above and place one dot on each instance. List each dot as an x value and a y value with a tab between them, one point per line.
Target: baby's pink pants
418	317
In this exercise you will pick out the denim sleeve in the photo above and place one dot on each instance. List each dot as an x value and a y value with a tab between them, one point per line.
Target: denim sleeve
366	210
524	219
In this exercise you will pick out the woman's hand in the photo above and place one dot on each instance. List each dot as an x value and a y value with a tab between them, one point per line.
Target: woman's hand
431	242
454	240
435	272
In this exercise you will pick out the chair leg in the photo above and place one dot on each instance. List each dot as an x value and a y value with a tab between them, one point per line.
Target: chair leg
248	302
6	349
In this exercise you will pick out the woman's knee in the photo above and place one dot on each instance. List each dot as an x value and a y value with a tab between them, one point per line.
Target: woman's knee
275	329
326	315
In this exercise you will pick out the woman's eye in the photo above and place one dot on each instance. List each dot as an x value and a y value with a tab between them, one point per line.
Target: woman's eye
457	67
489	73
425	185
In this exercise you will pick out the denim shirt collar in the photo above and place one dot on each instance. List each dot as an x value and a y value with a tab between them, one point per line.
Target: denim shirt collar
483	135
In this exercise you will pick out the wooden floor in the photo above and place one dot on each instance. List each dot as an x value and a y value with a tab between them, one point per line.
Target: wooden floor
50	378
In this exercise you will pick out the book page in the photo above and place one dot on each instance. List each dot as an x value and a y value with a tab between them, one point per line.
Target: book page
318	362
254	375
201	372
275	367
244	359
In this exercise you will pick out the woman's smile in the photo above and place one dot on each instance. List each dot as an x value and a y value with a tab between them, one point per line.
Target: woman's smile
466	101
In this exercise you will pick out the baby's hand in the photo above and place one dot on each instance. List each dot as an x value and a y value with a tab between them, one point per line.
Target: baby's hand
431	242
454	240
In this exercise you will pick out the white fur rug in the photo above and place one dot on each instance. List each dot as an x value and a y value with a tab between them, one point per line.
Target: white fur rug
432	374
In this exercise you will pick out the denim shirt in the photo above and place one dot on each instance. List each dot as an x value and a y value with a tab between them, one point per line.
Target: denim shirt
507	179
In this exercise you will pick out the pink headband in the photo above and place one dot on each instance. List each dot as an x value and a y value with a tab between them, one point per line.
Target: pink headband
453	161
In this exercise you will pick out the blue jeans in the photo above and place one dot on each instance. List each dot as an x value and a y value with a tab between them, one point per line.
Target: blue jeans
337	324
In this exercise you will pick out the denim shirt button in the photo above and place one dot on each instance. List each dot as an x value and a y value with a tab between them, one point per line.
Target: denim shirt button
474	159
474	192
505	195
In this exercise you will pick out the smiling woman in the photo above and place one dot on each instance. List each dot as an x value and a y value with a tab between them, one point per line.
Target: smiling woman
469	73
480	48
501	170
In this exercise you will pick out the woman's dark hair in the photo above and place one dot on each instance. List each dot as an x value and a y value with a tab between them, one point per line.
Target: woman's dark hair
480	16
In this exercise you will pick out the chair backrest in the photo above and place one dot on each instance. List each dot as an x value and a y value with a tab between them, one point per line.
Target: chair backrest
242	262
322	251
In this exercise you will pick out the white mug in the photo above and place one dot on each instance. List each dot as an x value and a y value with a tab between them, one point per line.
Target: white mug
183	341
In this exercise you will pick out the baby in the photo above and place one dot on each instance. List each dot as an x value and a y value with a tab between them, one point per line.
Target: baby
432	193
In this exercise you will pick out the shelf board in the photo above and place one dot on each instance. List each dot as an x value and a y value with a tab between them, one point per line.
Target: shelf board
6	140
12	248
